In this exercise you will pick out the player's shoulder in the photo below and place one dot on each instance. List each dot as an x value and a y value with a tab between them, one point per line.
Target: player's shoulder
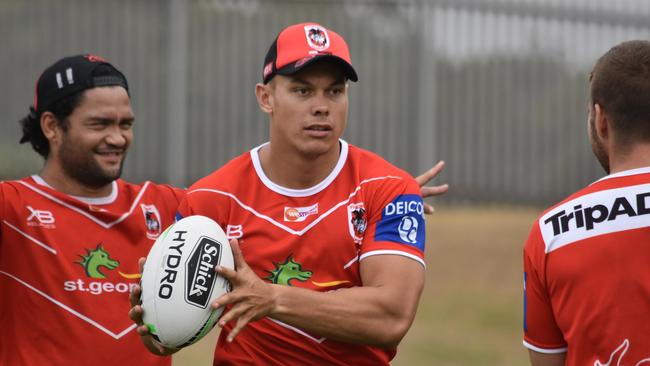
157	191
228	176
623	185
370	164
18	186
535	238
617	202
8	185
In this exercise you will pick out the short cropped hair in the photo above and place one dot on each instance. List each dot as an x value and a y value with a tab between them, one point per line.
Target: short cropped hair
620	84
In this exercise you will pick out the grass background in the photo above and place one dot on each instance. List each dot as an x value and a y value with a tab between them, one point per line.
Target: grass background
470	310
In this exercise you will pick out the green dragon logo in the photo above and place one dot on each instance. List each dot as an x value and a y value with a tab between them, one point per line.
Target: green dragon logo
96	258
287	271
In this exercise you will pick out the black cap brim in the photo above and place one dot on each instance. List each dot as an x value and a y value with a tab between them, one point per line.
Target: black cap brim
291	69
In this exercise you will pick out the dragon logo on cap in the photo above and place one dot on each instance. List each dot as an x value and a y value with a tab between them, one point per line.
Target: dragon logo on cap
317	37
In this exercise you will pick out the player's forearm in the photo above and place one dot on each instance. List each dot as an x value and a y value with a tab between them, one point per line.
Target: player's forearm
367	315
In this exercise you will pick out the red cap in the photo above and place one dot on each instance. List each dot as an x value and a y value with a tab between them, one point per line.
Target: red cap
301	44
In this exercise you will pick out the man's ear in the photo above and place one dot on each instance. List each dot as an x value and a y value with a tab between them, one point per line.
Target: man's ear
51	128
601	123
264	94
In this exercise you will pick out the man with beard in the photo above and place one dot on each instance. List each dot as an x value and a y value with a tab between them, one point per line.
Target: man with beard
71	236
586	276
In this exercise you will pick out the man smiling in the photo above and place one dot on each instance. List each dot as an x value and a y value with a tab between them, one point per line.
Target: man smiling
70	236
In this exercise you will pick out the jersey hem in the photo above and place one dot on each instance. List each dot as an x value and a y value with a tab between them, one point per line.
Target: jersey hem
393	252
544	350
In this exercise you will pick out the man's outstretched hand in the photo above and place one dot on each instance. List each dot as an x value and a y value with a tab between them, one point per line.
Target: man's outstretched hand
430	191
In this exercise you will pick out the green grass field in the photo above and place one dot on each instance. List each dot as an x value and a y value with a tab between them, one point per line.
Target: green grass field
470	311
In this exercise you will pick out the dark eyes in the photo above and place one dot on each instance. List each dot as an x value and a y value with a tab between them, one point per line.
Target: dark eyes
100	124
306	91
126	124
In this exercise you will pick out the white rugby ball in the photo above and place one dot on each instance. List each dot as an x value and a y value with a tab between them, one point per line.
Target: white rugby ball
179	282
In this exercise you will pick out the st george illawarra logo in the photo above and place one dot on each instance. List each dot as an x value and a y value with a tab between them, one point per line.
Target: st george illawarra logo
317	37
200	271
357	221
151	220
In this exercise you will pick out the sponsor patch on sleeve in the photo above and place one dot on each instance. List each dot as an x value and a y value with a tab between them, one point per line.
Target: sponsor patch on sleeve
402	221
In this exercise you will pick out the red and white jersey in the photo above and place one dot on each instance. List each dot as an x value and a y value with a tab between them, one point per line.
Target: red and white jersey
587	274
66	268
313	239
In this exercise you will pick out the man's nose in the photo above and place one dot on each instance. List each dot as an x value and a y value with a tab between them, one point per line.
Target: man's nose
116	136
321	106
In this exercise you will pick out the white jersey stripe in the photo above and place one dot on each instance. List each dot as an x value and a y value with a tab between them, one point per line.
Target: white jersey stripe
393	252
282	226
302	333
33	239
72	311
544	350
351	262
594	214
106	225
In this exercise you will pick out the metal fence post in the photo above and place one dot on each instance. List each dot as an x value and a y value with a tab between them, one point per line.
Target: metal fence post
176	152
426	98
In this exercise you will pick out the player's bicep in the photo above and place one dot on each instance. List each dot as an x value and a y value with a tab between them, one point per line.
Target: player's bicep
400	281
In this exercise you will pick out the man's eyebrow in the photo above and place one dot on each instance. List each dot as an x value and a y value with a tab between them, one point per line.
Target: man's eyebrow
108	119
299	80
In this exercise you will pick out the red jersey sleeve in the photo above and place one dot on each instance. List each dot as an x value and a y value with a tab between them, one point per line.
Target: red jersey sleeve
541	332
184	208
207	202
396	222
179	193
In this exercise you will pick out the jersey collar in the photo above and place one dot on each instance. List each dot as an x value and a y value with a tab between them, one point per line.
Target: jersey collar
626	173
108	199
255	157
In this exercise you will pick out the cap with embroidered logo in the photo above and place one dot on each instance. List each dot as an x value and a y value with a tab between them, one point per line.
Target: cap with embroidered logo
73	74
300	45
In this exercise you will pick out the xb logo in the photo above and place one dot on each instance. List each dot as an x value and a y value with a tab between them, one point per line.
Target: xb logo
96	258
40	218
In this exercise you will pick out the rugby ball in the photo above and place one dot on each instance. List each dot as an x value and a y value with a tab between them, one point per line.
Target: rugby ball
179	282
